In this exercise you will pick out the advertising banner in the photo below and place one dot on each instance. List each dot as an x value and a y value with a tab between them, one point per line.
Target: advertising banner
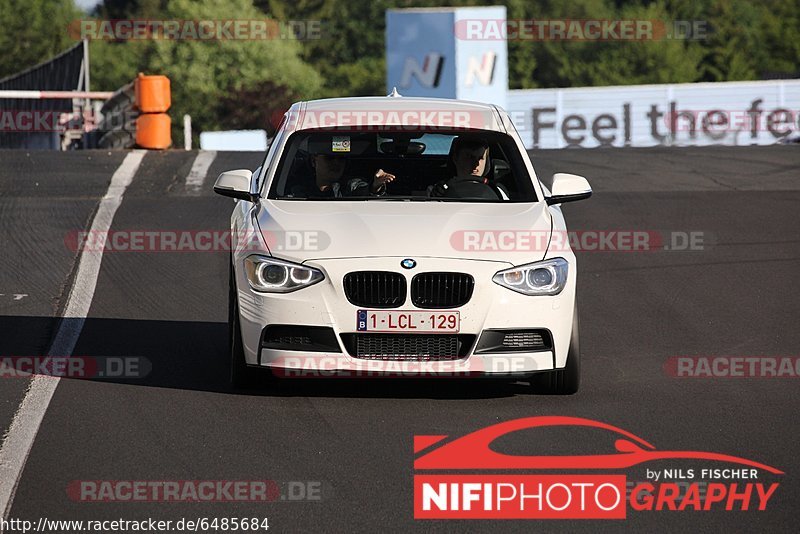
690	114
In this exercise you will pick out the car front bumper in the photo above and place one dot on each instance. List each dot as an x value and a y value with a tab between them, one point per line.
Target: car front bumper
491	307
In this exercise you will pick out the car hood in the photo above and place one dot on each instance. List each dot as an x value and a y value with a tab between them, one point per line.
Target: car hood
309	230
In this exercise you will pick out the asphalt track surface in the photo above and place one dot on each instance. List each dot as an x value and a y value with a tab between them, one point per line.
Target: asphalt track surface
738	296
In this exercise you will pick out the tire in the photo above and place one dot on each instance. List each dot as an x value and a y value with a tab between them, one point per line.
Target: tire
241	375
564	381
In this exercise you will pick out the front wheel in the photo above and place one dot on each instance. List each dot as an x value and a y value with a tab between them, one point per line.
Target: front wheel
241	375
564	381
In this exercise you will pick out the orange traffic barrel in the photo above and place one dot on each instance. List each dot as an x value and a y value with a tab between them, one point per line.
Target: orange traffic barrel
153	131
152	93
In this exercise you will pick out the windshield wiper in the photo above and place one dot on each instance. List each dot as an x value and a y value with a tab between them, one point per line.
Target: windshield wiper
421	198
387	198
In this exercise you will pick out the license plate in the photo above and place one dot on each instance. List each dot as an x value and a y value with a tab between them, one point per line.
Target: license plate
407	321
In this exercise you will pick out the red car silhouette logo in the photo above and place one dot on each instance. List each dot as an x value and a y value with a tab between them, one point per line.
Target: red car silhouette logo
473	451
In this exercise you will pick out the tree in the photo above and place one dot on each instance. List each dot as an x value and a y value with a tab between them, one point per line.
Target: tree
780	37
732	50
350	55
128	9
33	31
208	75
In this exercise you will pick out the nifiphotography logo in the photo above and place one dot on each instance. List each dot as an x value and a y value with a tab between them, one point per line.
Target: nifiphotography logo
465	478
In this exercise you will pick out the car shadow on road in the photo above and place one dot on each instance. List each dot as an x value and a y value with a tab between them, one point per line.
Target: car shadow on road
193	355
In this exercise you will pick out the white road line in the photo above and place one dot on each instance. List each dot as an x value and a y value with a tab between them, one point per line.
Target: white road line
196	176
22	432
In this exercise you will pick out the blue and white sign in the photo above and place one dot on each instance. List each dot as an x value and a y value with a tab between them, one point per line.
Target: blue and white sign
481	63
428	53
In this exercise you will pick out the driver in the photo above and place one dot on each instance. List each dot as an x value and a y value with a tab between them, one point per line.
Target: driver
470	156
469	161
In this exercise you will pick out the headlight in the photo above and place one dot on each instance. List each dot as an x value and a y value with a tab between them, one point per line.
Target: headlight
546	277
272	275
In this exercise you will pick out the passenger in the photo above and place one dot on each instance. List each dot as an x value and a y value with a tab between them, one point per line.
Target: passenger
329	180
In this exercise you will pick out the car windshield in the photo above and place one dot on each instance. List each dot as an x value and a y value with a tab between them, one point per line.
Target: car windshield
433	166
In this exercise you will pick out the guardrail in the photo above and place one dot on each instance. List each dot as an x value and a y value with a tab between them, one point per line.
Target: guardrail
42	95
117	129
135	115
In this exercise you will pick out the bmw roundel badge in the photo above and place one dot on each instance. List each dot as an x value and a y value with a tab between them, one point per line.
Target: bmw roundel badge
408	263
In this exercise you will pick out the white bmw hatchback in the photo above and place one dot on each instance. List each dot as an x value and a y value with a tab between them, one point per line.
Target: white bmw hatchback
402	236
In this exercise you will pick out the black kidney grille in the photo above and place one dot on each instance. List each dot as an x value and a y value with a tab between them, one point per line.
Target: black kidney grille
375	289
441	290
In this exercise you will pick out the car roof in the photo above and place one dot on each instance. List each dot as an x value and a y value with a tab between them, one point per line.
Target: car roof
394	111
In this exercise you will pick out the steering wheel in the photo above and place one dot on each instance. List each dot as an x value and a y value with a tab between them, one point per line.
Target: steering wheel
471	188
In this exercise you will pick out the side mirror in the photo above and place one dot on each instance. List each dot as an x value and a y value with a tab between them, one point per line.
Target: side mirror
568	188
235	184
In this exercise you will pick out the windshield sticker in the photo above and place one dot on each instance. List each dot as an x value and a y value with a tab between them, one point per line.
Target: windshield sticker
340	143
